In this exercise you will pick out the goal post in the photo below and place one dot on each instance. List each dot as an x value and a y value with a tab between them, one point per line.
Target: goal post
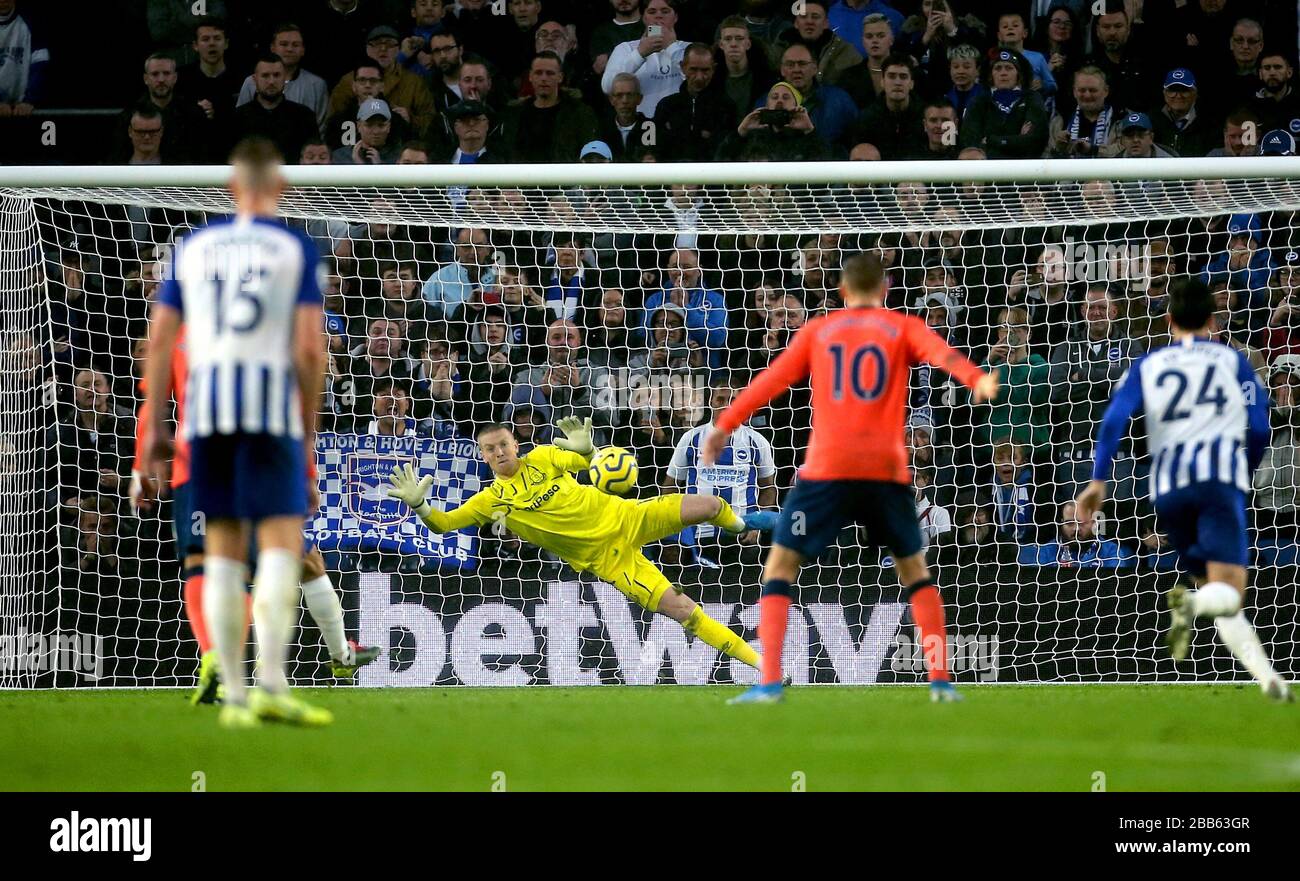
643	295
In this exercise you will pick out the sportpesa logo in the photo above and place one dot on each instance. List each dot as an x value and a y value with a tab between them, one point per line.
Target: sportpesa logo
544	497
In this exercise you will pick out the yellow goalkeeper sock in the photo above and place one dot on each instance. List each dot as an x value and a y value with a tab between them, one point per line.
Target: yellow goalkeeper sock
721	637
727	519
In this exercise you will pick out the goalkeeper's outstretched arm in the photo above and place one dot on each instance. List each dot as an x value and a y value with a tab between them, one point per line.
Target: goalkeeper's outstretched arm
576	439
414	491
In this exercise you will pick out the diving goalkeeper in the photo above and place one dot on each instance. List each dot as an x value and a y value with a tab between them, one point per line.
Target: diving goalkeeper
538	500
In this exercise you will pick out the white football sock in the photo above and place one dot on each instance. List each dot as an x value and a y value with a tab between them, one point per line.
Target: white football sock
275	608
325	609
1215	600
1240	637
223	609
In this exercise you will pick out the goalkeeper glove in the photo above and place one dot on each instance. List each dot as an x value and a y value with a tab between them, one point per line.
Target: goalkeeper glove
577	436
409	488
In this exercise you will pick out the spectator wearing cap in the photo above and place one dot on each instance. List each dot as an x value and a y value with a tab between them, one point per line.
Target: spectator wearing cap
1245	261
1124	60
1092	129
811	28
209	81
406	94
625	130
1235	141
706	310
25	65
692	123
1077	546
367	84
893	124
1012	32
1009	121
655	59
300	86
553	124
1138	141
596	151
1278	142
335	28
846	18
1277	103
471	122
748	71
285	123
1179	124
790	136
375	144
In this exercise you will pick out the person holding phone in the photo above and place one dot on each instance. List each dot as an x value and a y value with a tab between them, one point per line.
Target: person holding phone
655	59
779	131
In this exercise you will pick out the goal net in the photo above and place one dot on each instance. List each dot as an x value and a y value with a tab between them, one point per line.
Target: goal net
644	297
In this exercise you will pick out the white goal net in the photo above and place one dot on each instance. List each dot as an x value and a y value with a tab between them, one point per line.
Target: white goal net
644	297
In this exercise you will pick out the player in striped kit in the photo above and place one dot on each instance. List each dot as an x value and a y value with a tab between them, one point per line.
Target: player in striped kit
248	292
318	592
858	359
1207	423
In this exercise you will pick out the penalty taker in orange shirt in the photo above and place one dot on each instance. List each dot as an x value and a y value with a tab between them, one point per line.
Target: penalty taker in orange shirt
856	470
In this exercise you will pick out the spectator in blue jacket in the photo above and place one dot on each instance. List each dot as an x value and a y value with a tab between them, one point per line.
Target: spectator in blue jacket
706	310
1077	546
1246	262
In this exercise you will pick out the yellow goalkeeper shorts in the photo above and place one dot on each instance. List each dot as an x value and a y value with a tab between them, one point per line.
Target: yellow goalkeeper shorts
624	566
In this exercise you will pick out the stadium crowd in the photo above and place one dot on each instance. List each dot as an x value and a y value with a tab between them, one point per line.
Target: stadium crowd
435	329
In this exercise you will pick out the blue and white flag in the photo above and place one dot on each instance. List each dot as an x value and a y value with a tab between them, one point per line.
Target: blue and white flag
356	513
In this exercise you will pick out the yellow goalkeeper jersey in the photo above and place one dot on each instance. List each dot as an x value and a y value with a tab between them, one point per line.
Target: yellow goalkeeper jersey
545	506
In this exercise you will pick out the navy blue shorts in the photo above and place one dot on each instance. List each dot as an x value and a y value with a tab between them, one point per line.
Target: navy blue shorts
1205	522
187	525
248	476
816	511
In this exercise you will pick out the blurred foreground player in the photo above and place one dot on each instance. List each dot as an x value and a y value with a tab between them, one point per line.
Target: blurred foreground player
318	592
1207	427
248	293
859	359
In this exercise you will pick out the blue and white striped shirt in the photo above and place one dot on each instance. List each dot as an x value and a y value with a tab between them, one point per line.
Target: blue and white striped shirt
734	477
238	284
1206	416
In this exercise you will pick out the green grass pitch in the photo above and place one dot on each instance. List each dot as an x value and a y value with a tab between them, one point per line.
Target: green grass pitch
666	738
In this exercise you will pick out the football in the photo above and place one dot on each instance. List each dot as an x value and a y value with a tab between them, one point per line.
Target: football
613	470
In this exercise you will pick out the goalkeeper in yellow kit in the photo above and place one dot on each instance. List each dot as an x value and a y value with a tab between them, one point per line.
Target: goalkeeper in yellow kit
539	501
